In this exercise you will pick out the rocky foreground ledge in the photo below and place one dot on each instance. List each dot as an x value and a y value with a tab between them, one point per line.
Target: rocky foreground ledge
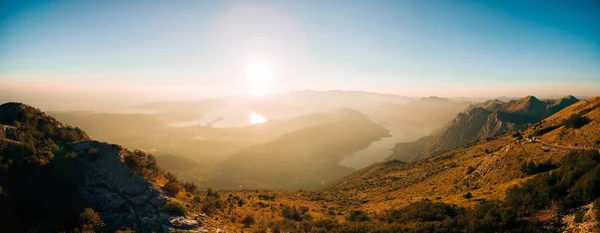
126	200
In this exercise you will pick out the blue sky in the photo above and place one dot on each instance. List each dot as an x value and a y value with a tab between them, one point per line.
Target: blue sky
421	47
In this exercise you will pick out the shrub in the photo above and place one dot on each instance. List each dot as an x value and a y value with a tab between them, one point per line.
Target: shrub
196	200
90	221
576	121
290	212
142	164
579	216
531	168
425	210
175	208
211	193
172	188
169	176
489	216
357	216
575	182
248	220
210	205
190	187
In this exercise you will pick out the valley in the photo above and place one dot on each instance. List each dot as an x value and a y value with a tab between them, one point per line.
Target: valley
484	172
217	147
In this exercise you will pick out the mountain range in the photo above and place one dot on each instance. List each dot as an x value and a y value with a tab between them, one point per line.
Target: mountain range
532	173
222	133
482	121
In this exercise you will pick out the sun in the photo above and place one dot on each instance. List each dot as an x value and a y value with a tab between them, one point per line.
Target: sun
256	119
259	75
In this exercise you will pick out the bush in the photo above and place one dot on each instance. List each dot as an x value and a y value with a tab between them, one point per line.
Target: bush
210	205
576	121
579	216
90	221
175	208
248	220
574	183
531	168
290	212
422	211
357	216
190	187
172	188
211	193
142	164
170	177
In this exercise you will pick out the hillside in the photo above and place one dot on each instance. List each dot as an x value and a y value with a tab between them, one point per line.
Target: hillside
538	179
307	158
485	169
512	183
206	145
54	178
482	121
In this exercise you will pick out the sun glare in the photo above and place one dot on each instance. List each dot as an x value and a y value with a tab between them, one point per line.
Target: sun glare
256	119
259	76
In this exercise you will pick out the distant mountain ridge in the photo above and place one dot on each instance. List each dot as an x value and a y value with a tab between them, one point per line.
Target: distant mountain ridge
306	158
482	121
485	169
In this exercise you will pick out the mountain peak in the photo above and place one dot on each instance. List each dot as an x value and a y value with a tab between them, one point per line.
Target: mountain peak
563	102
11	106
527	104
569	97
530	98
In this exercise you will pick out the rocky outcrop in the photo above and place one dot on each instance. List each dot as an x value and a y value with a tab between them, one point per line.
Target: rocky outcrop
125	200
482	121
7	131
68	172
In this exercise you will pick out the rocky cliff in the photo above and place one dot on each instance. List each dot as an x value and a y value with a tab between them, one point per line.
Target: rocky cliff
482	121
125	200
50	172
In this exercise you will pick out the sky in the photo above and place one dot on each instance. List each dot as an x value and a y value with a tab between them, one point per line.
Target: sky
194	48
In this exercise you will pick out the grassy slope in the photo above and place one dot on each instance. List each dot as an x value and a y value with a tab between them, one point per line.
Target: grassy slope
496	166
